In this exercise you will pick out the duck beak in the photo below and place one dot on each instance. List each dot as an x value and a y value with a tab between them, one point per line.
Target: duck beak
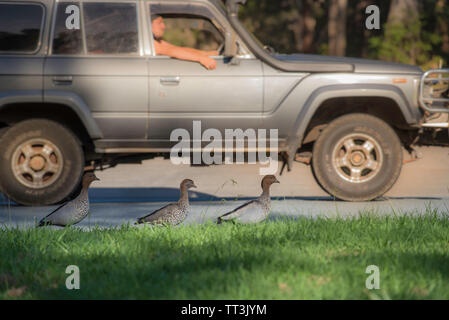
193	186
96	179
277	181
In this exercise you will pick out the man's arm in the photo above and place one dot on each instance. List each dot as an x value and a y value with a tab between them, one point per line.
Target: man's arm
204	53
167	49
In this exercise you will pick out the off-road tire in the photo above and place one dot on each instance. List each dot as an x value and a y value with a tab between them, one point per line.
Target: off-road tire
331	175
70	168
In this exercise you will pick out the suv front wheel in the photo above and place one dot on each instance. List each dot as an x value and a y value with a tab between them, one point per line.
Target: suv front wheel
358	157
41	162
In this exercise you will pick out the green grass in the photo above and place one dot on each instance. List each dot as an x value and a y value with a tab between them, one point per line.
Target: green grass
283	259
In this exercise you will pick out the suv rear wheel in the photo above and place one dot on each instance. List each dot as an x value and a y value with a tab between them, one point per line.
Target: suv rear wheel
41	162
358	157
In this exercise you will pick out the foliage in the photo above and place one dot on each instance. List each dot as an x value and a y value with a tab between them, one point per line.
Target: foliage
423	41
282	259
406	45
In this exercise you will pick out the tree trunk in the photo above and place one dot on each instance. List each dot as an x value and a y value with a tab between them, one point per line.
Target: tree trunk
402	11
360	18
337	27
304	25
309	24
442	25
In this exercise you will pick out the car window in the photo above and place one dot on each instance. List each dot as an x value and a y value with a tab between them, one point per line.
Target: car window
66	41
111	28
192	31
20	27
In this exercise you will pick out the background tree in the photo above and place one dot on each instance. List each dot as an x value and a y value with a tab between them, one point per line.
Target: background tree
337	27
415	32
403	11
408	37
303	25
442	25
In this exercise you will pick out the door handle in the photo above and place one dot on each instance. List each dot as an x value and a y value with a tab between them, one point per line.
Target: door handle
173	81
62	80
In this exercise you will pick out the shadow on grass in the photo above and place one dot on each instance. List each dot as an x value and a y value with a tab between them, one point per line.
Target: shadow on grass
218	278
239	264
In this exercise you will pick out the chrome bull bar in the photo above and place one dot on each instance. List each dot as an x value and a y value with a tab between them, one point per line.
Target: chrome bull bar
434	91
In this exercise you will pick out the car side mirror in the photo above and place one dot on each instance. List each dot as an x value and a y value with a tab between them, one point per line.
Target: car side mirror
230	45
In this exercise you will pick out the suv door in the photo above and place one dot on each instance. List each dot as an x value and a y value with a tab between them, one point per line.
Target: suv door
231	96
22	54
103	65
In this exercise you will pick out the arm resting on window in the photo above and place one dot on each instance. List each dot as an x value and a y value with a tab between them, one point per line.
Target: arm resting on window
167	49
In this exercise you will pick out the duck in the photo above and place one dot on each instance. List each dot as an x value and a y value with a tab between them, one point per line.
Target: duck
173	213
74	211
254	211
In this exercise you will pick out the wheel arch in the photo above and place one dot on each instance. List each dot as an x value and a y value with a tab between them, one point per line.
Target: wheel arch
64	108
329	102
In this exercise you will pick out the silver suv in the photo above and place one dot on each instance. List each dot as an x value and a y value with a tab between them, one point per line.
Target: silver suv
97	95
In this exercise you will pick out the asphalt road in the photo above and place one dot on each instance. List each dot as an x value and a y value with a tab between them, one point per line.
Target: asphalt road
129	191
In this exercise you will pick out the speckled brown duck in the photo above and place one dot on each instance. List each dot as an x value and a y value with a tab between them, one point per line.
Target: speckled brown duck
173	213
253	211
74	211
